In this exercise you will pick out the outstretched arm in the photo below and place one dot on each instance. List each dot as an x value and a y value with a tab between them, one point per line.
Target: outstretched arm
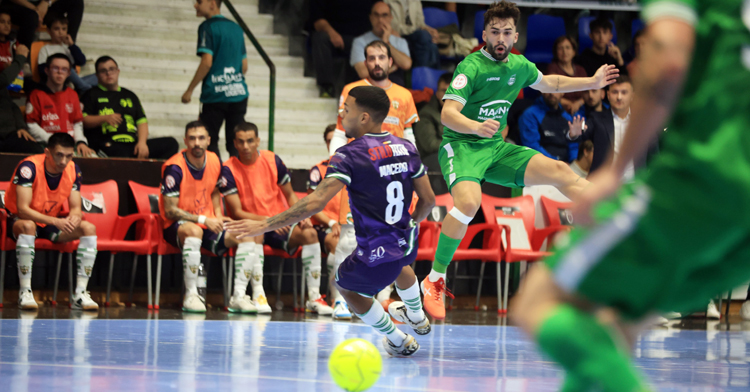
605	76
305	208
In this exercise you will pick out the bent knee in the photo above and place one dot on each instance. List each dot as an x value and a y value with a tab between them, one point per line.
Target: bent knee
88	229
24	226
309	236
190	229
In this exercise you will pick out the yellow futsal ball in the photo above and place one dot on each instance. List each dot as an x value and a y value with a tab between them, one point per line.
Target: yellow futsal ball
355	365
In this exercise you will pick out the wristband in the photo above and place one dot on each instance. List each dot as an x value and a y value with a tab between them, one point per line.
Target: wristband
332	222
201	219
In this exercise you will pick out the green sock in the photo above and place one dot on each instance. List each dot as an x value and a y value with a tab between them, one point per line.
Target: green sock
587	351
445	249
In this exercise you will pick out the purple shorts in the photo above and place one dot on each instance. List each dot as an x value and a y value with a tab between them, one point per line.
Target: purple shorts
355	275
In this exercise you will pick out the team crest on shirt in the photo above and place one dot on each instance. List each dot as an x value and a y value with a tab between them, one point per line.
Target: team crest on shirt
395	104
459	82
29	108
69	107
169	181
315	175
512	80
26	172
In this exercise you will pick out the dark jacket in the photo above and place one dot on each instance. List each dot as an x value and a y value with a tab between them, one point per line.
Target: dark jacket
544	129
11	118
428	131
601	132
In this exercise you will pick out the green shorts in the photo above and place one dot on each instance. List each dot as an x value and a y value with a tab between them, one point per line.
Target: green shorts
661	245
484	160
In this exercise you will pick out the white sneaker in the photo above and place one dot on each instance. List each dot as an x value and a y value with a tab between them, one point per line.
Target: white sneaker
408	347
242	304
745	310
26	300
341	311
672	315
712	312
320	307
83	301
194	303
397	310
261	304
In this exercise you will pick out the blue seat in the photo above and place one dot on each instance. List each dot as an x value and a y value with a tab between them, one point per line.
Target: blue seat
422	77
479	25
541	33
584	41
635	26
437	18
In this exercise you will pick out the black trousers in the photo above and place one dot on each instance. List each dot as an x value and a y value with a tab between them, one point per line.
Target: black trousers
12	143
214	114
158	148
28	20
323	52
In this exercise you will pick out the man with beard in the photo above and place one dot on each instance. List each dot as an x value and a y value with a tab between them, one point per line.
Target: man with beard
190	207
401	117
545	125
473	151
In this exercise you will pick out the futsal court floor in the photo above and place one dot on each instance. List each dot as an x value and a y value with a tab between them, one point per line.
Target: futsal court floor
130	349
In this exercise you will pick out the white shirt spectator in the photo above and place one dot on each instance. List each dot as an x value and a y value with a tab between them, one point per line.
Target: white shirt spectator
621	124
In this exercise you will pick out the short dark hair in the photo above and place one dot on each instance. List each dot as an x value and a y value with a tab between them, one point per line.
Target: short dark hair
585	147
600	23
372	100
102	60
61	139
502	10
445	78
218	3
560	40
194	124
6	12
330	128
58	56
622	79
53	17
246	127
378	43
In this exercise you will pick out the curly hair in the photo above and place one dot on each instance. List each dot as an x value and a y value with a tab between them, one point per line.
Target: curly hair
502	10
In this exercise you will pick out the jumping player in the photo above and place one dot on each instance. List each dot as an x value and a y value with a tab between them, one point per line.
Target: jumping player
642	254
484	87
381	171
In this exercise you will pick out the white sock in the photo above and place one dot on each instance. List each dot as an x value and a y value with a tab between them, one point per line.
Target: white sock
25	257
378	319
243	267
85	257
385	294
332	267
434	276
191	259
257	276
413	302
311	261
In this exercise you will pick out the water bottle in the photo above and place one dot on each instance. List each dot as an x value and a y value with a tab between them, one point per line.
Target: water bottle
201	283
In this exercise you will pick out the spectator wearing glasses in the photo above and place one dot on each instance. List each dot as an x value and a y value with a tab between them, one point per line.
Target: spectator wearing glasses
55	108
114	120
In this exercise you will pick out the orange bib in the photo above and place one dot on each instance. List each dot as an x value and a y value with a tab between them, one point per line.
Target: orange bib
45	200
257	185
195	195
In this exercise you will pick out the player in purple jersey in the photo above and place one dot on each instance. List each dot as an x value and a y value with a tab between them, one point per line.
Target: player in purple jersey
379	169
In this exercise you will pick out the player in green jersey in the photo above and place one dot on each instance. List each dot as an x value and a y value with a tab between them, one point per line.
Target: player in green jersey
484	86
679	234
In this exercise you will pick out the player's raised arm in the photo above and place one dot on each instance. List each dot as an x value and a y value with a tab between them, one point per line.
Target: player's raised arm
426	198
606	75
305	208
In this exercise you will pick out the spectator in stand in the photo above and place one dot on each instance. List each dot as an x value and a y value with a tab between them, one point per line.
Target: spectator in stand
380	19
62	42
114	121
30	14
632	61
593	101
428	132
546	127
335	24
408	22
14	134
607	128
221	47
603	51
582	164
54	107
564	50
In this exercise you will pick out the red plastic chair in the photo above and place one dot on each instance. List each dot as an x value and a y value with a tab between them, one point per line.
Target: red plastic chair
7	243
100	205
555	212
516	217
